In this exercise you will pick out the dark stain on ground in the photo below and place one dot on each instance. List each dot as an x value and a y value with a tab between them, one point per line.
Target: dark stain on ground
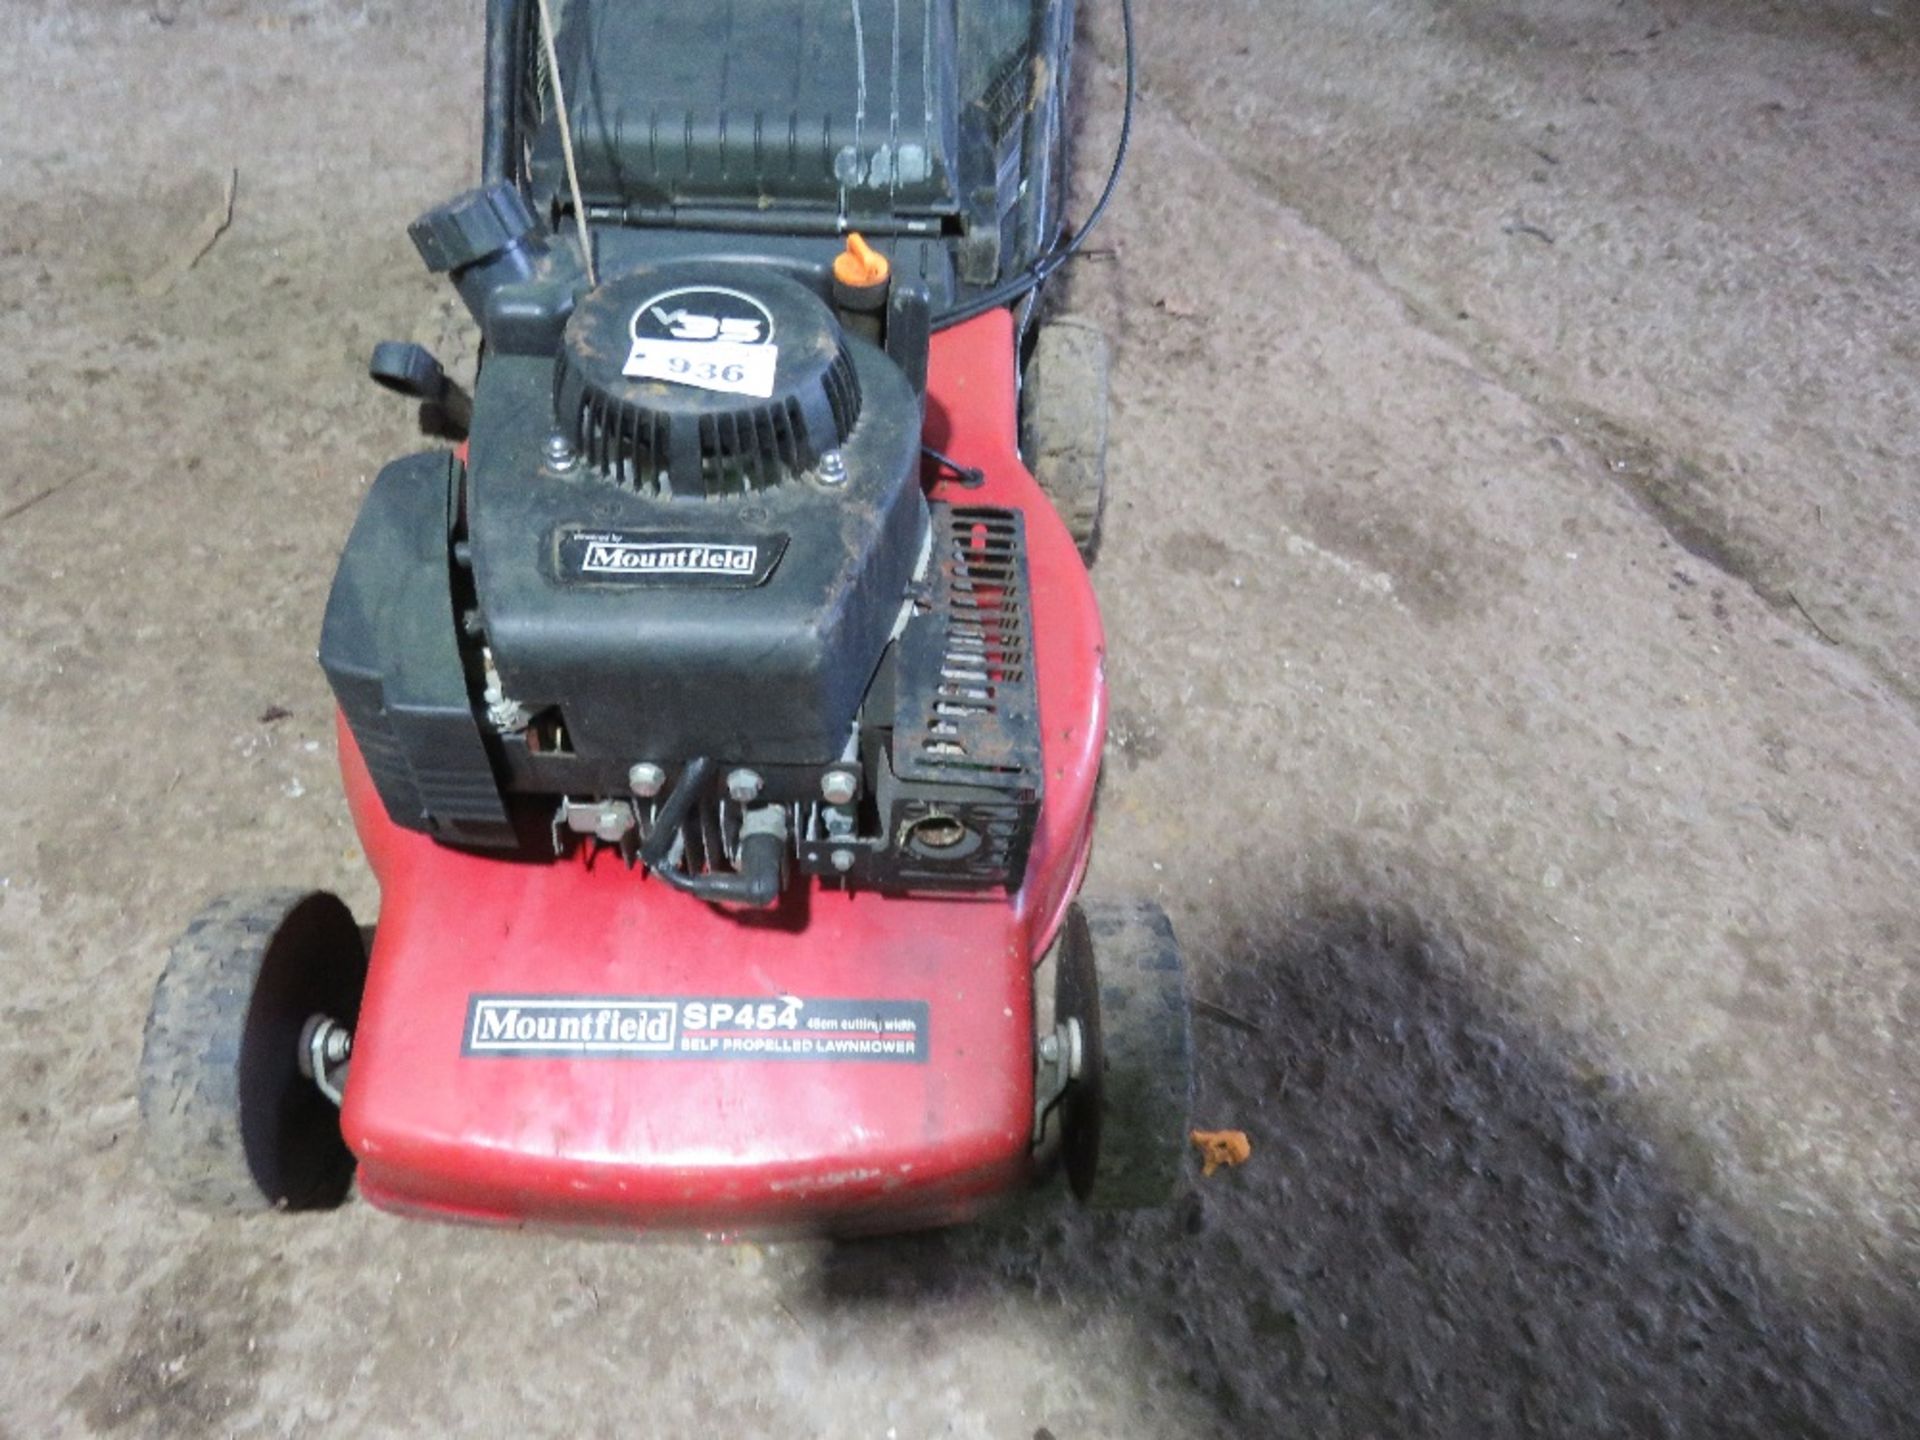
1440	572
200	1341
1684	498
1194	552
1701	512
1447	1228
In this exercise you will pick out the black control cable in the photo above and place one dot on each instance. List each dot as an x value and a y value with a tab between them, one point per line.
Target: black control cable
1036	274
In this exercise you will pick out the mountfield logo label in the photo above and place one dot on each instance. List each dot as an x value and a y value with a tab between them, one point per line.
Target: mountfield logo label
628	557
653	557
528	1026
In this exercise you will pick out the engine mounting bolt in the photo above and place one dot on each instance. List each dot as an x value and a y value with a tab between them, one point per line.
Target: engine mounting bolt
1050	1048
646	780
614	820
838	787
842	860
743	785
560	454
833	468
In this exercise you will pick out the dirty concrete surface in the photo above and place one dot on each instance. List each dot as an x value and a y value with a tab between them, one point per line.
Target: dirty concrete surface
1510	580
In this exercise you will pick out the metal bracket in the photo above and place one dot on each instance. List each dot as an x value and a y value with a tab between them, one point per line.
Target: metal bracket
1058	1061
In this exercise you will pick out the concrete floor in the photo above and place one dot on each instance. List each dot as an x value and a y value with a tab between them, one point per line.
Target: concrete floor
1511	588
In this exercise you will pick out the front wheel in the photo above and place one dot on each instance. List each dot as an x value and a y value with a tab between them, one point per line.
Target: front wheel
233	1123
1124	1116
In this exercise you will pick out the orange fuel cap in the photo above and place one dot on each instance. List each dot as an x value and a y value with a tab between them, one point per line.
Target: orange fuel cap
860	266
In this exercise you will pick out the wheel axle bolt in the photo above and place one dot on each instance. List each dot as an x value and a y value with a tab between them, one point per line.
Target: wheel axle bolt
839	786
646	780
743	785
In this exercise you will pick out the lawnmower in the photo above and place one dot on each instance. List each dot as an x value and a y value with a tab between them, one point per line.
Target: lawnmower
721	707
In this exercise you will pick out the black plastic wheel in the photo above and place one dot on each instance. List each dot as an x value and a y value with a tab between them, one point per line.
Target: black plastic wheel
1124	1120
231	1124
1063	425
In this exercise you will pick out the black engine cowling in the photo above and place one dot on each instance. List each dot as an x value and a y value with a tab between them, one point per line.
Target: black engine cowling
698	572
691	529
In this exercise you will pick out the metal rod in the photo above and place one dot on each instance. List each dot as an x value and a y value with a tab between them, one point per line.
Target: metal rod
566	139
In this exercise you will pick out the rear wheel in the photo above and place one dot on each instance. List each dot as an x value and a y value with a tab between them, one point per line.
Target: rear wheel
1124	1116
1063	425
233	1124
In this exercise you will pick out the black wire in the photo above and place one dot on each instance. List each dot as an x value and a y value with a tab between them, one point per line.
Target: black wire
1036	274
673	811
969	477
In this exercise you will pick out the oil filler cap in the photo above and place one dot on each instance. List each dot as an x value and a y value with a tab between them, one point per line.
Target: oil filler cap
471	228
701	380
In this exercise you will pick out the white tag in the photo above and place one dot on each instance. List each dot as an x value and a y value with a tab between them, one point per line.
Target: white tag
706	364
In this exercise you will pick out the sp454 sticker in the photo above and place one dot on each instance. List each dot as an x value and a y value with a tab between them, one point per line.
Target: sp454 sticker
646	1027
